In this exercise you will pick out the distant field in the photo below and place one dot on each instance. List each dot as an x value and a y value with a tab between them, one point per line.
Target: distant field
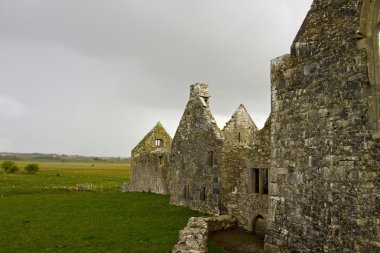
43	212
57	177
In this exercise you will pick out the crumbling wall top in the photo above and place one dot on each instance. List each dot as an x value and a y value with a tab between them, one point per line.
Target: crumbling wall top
199	90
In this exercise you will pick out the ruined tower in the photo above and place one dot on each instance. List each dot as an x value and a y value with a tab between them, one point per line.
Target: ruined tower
324	180
196	155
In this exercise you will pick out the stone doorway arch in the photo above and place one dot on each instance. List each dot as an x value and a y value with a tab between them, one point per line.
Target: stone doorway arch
259	226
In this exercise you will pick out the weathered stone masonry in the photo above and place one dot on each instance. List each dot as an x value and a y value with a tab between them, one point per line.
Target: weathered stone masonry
196	155
325	147
213	171
248	167
150	162
210	170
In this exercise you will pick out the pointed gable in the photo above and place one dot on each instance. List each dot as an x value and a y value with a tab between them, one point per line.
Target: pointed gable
197	116
157	138
196	155
241	118
240	128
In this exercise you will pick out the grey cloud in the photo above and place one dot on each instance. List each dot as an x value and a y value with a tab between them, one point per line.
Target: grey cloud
116	67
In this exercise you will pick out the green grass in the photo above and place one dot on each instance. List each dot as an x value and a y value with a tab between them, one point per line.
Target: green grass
90	222
43	212
55	177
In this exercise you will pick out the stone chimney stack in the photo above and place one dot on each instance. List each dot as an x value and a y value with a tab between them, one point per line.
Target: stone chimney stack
200	91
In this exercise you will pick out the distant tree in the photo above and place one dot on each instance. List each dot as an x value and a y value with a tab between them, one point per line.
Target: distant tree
9	166
32	168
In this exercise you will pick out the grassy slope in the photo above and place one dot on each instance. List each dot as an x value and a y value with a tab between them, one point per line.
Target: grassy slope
40	214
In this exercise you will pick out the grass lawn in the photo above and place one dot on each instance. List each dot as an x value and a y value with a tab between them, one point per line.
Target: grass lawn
42	212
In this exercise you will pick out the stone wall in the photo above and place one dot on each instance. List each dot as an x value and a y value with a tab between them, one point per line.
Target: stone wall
243	202
150	162
239	134
240	129
208	170
326	157
196	156
193	238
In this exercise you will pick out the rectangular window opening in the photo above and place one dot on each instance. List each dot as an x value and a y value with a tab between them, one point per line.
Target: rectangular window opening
257	181
158	142
253	181
186	192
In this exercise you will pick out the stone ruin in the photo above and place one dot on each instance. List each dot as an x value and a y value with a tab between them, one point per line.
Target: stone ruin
311	175
207	169
150	160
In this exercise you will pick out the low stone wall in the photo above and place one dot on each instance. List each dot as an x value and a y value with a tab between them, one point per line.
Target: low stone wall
193	238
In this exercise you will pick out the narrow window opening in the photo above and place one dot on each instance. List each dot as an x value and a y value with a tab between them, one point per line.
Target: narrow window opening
186	192
239	137
253	180
377	96
373	28
266	181
160	160
158	142
257	181
203	194
378	42
210	158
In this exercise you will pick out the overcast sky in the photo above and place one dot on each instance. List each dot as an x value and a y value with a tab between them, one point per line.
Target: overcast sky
92	77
